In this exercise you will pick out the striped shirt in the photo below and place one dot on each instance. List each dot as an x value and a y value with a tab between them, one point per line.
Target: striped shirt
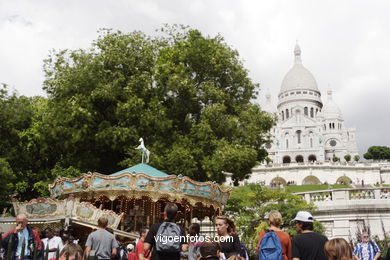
366	251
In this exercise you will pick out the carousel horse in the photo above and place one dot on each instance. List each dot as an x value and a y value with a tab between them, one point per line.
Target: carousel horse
145	152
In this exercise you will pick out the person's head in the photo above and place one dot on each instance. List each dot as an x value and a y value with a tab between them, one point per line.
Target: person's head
71	250
209	249
365	237
130	248
49	232
71	239
144	232
65	236
170	211
275	218
224	225
21	220
303	221
102	222
194	229
338	249
56	232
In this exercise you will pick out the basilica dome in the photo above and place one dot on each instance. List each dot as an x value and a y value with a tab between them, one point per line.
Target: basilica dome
298	77
331	109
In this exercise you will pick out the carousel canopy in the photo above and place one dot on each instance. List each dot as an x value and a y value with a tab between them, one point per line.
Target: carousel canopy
142	168
141	181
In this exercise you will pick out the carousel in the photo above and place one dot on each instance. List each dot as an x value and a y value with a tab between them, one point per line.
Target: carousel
138	194
130	199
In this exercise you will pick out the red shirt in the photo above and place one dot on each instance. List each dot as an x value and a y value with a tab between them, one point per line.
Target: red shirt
139	249
131	256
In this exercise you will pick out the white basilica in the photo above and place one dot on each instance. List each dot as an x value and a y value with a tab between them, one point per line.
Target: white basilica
307	130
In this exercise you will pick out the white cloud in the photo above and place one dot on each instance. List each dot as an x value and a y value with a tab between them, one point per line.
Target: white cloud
345	44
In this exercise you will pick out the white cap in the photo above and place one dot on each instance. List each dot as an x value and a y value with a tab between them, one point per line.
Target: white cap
303	216
130	247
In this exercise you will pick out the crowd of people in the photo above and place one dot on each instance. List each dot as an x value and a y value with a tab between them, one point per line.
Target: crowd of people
168	241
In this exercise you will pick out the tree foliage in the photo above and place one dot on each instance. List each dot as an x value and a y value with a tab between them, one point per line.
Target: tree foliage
377	153
248	205
188	95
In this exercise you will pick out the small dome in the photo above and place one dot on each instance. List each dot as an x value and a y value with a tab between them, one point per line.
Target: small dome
330	109
298	77
268	107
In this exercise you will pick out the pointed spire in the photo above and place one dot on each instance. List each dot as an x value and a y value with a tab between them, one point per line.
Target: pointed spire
268	96
297	53
329	94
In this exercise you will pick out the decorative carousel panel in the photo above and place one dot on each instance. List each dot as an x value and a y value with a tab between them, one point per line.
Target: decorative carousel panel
142	183
89	213
67	186
121	183
204	191
55	191
166	185
188	187
80	185
100	183
84	211
41	207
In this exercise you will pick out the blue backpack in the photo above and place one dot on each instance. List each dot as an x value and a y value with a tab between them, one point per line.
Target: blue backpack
270	247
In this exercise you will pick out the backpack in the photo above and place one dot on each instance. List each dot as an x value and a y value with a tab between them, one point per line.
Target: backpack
270	247
168	240
244	252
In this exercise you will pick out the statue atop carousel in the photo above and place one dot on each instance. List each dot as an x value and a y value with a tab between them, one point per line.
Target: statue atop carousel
145	152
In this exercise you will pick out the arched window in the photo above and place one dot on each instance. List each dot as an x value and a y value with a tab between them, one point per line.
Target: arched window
299	159
306	111
333	125
282	115
286	143
286	159
325	127
311	142
312	158
287	114
311	112
316	111
330	125
299	132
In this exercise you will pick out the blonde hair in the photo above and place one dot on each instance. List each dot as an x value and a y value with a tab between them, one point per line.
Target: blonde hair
275	218
338	249
235	257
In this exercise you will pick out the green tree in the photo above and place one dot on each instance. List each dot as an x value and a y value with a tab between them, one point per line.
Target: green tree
7	180
248	205
356	158
377	153
347	158
187	95
335	158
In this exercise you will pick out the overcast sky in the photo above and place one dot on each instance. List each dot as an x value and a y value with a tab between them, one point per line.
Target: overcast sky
345	44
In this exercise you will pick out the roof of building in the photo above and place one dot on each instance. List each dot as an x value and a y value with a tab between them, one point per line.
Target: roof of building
331	110
298	77
143	168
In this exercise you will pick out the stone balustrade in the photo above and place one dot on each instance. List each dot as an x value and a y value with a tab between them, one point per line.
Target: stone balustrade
345	211
349	194
382	164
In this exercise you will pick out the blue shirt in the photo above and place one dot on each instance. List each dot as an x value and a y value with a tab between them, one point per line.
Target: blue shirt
23	236
366	251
